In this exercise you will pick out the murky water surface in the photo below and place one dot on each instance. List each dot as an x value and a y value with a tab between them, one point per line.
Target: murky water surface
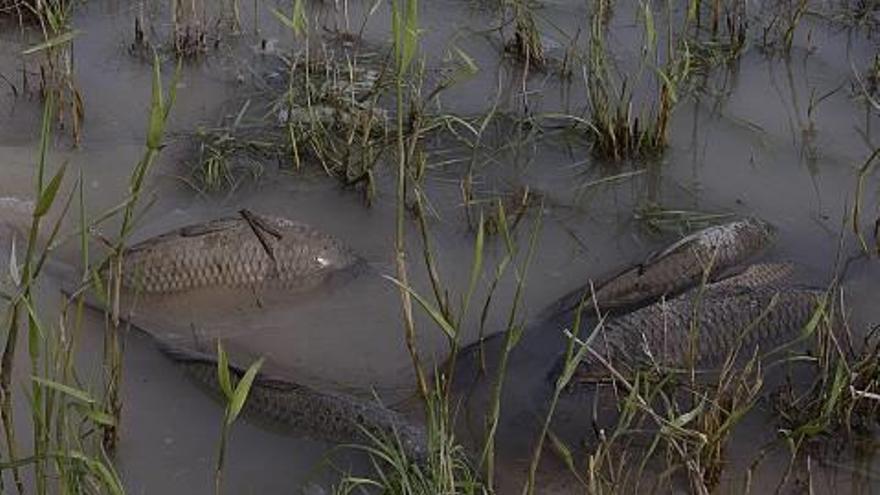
780	139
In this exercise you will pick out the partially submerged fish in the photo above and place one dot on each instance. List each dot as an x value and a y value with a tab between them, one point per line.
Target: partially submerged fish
680	266
701	329
248	250
321	415
757	275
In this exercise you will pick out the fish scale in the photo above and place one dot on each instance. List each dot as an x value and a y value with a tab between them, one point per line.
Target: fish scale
229	253
326	416
758	275
676	268
724	316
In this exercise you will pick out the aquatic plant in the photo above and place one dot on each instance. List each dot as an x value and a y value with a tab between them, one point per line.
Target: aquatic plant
723	41
235	394
842	403
189	26
856	218
110	288
781	23
656	219
446	468
190	29
405	45
526	42
66	453
57	81
619	129
317	107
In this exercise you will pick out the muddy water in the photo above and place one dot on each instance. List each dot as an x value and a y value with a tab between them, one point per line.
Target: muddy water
751	145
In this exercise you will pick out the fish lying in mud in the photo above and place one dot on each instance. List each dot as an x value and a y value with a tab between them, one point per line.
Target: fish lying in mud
321	415
701	328
248	250
676	268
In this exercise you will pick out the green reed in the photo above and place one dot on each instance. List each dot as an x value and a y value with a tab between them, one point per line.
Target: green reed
160	107
405	46
864	171
65	457
235	394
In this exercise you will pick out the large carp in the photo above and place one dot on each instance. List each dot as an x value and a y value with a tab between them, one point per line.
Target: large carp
246	250
321	415
700	329
680	266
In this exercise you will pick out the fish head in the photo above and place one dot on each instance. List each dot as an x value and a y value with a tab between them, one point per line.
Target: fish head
332	255
759	232
414	440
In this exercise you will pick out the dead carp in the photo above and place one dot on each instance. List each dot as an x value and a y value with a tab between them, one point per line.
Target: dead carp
247	250
757	275
700	329
676	268
320	415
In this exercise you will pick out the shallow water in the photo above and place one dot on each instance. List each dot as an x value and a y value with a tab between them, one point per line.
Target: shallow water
740	150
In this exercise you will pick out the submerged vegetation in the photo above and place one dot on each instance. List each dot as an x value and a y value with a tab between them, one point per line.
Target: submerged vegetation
319	108
50	59
369	115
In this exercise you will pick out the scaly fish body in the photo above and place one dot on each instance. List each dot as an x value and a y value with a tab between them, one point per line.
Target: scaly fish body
677	268
325	416
250	250
757	275
701	329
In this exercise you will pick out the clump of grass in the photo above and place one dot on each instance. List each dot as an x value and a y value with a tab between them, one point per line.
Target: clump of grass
842	404
723	41
227	153
72	427
333	118
193	28
526	43
855	14
783	17
446	468
57	82
687	422
515	205
331	115
189	25
620	131
66	454
314	109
